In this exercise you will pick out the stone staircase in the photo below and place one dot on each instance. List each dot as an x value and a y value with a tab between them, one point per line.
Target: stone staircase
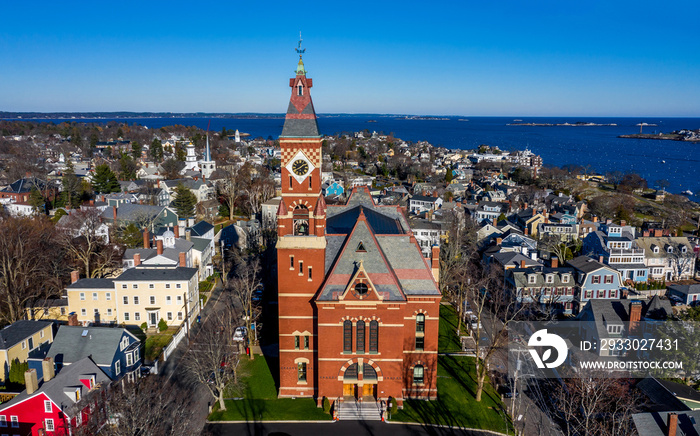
365	410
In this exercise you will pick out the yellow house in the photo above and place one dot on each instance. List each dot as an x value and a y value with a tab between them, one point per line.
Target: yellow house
139	295
21	338
55	309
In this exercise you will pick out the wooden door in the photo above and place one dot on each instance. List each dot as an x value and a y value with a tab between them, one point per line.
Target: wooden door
368	390
348	390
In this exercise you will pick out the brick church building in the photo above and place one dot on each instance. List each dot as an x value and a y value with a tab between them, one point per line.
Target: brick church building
358	303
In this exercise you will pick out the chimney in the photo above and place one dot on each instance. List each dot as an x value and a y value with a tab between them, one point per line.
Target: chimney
159	246
595	218
635	315
658	233
188	234
137	259
146	240
527	231
73	319
671	424
623	223
600	259
435	263
31	381
522	264
176	230
499	241
114	212
555	262
183	259
48	369
92	202
74	276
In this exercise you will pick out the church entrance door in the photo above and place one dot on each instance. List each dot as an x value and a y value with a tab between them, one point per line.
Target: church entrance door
349	390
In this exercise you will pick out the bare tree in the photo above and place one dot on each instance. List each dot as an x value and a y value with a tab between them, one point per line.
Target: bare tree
212	359
244	284
148	407
31	264
86	239
228	189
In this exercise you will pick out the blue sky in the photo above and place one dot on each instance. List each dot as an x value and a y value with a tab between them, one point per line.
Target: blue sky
510	58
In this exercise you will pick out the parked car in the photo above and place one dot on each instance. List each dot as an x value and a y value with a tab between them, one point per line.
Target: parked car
240	334
475	323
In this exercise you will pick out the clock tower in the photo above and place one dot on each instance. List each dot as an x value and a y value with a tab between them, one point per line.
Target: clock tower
301	244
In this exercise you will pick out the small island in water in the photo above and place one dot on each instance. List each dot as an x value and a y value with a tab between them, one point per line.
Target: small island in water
576	124
677	135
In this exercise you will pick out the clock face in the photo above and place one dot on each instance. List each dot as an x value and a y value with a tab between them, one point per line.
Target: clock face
300	167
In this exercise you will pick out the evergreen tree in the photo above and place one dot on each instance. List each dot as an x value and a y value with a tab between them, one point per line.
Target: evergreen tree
127	168
184	202
180	152
71	185
136	149
105	181
156	150
37	200
448	175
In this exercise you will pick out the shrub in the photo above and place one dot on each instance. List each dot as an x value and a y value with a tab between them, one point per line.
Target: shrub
326	405
162	325
144	326
393	405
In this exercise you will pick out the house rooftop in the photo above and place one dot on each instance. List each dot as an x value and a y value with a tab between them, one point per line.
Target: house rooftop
73	343
157	274
19	331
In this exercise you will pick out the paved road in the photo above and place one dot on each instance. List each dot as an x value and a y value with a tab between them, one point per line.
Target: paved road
344	428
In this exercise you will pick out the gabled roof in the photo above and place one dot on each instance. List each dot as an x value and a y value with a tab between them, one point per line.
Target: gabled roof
73	343
162	274
93	283
201	228
586	264
67	379
19	331
133	212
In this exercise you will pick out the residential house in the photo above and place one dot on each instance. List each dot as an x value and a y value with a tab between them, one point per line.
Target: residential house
667	423
21	338
614	318
141	215
201	190
114	350
334	187
527	220
489	211
49	309
508	260
552	289
595	280
664	394
618	248
139	295
421	203
269	213
688	294
242	234
57	403
668	257
428	235
565	232
19	191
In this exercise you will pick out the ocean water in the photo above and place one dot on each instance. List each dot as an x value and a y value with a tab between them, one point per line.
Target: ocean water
597	146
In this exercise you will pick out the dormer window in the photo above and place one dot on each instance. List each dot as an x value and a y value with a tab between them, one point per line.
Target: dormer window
669	249
684	249
655	248
565	278
614	329
531	278
550	278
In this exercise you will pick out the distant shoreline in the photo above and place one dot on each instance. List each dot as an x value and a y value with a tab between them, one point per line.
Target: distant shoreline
579	124
660	136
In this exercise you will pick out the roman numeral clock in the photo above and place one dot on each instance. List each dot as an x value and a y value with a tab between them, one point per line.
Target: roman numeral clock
300	167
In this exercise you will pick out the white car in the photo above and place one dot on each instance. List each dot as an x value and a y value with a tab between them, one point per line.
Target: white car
240	334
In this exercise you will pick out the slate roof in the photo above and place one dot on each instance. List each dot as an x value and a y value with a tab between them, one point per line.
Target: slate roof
521	276
201	228
19	331
200	244
660	396
67	378
300	127
133	212
586	264
92	284
654	423
100	343
157	274
25	185
686	289
513	259
617	312
393	262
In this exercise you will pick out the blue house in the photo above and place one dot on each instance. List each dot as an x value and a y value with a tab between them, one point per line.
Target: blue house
114	350
595	280
617	247
331	189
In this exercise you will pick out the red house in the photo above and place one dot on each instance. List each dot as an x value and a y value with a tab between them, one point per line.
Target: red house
53	406
358	302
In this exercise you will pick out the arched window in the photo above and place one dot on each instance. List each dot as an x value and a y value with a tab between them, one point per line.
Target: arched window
360	337
368	372
373	336
300	89
420	323
301	220
418	376
347	336
301	371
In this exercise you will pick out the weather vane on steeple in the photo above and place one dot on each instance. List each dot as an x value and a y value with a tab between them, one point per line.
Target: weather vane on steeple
299	49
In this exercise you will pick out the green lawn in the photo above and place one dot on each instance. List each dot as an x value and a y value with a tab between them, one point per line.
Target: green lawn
456	405
259	399
448	342
155	343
